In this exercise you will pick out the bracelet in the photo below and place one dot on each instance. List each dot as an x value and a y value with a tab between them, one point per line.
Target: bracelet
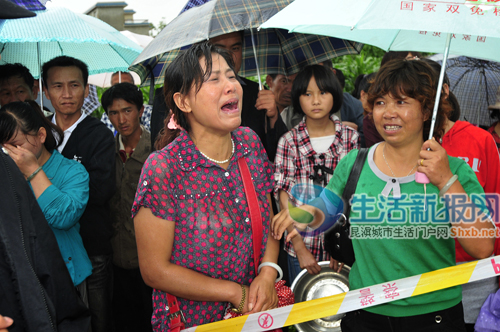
239	310
34	174
275	266
448	184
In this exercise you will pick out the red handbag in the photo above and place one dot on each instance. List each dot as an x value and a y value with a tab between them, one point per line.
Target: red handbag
285	294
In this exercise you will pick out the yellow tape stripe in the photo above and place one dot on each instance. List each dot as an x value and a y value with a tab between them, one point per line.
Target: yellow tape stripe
444	278
309	310
331	305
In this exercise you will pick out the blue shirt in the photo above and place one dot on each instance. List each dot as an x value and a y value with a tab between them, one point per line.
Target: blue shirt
62	204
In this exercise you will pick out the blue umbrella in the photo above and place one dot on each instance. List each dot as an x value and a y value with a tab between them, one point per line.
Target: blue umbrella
59	31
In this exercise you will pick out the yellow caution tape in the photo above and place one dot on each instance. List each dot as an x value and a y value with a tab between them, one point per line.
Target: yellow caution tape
359	298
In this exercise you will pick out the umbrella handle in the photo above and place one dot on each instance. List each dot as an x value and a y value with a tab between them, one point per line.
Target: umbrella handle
421	178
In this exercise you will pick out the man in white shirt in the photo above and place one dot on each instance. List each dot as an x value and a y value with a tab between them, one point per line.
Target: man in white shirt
88	141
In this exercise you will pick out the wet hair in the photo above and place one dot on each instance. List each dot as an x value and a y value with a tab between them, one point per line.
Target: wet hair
16	69
28	118
454	115
326	81
65	61
401	55
182	75
122	73
126	91
414	79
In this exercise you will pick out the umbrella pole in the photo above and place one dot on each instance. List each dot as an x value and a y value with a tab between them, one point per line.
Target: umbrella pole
256	60
440	85
258	73
40	74
421	177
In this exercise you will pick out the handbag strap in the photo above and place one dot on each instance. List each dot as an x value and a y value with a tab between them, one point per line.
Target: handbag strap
177	320
352	181
253	207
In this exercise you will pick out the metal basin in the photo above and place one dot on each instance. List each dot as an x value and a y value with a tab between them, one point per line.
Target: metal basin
308	287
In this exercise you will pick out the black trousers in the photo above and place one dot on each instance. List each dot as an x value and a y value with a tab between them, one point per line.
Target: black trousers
132	301
451	320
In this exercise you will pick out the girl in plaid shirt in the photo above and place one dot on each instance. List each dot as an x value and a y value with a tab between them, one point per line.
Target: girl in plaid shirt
308	154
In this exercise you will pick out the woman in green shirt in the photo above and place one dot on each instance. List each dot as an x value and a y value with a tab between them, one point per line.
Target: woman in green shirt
399	227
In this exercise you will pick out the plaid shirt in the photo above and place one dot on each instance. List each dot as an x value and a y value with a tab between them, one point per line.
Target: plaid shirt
145	119
91	103
297	163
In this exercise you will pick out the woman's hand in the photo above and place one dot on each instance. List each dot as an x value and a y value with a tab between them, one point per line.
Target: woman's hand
262	295
307	261
283	221
434	163
24	159
236	302
335	265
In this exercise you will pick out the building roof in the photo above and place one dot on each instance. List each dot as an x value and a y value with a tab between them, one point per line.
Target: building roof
106	4
129	11
136	23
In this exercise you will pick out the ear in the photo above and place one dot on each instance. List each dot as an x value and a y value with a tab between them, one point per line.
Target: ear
269	81
86	91
46	92
446	90
141	111
42	134
35	89
182	102
363	95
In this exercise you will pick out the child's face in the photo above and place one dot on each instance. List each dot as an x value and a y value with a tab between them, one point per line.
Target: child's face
315	103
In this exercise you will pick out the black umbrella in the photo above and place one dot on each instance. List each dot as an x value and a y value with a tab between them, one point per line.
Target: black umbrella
10	10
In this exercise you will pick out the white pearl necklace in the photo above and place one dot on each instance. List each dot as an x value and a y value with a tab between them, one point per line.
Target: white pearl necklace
220	161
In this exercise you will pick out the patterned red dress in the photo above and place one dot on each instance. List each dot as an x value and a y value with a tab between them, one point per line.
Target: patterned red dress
213	232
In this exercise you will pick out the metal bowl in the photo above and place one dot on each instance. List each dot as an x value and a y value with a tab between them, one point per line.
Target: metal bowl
308	287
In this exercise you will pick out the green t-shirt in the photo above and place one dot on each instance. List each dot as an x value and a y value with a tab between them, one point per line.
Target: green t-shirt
392	251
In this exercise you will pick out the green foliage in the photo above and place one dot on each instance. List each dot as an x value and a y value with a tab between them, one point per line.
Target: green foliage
156	29
354	65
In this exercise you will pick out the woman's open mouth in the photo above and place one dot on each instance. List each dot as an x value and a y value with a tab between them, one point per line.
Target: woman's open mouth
231	106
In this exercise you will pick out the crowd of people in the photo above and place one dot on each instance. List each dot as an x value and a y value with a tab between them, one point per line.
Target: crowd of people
184	208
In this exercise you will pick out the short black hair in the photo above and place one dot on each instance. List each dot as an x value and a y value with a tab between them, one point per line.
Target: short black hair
364	84
328	63
326	81
16	69
126	91
401	55
65	61
122	73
